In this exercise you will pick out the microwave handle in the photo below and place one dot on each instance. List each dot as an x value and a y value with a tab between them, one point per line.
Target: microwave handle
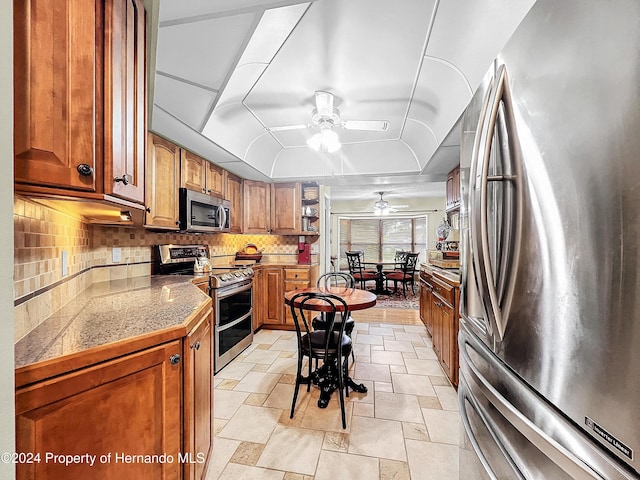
222	216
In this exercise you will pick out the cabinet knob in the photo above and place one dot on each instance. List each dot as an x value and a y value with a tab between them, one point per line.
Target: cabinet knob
209	190
85	170
125	179
196	346
148	210
174	359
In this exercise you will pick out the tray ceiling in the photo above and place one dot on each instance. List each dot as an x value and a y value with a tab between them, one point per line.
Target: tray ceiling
226	70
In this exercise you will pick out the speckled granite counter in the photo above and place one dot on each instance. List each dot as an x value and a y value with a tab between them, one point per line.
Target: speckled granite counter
450	276
111	312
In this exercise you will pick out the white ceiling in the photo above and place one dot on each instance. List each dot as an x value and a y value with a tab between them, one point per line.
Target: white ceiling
226	69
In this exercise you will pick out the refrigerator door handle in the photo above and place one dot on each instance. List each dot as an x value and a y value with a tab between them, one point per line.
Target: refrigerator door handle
556	452
499	301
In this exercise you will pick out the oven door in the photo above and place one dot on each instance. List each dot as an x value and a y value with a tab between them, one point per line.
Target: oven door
234	327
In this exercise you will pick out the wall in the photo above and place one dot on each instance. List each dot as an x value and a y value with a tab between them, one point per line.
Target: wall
42	233
7	410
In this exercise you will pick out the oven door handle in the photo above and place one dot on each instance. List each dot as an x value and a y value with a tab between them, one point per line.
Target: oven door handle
234	323
223	293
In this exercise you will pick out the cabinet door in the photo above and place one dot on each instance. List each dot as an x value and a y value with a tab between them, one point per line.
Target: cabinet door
256	206
129	405
285	208
198	398
446	339
56	91
272	296
436	317
161	194
215	180
125	99
288	286
193	171
233	193
258	300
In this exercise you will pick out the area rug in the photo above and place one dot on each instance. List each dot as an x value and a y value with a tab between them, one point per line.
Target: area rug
397	300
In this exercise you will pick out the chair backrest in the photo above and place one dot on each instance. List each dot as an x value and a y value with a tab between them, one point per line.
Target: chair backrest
399	259
336	279
355	261
303	306
410	262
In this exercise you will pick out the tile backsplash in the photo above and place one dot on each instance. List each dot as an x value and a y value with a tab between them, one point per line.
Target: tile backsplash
41	234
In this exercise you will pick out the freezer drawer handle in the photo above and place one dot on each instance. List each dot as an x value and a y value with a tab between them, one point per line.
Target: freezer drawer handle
556	452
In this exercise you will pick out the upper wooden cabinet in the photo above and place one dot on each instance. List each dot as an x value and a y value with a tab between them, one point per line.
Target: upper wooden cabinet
201	175
285	208
453	189
163	170
233	193
257	207
80	100
272	208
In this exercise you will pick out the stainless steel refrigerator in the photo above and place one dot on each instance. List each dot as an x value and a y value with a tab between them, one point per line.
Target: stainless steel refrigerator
550	310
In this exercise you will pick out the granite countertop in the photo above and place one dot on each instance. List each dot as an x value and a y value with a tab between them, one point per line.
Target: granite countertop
448	275
109	312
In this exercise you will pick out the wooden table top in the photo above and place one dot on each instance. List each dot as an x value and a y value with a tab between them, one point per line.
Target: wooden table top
355	298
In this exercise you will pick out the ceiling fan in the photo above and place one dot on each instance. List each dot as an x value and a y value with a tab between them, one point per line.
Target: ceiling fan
382	207
326	116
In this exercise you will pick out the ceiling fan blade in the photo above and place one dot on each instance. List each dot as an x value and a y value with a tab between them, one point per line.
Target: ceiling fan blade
286	127
371	125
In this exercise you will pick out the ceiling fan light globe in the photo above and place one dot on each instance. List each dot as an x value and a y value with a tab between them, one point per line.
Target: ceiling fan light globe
315	142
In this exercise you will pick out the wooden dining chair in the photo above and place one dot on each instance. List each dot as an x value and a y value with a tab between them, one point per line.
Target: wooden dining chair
406	274
332	346
357	270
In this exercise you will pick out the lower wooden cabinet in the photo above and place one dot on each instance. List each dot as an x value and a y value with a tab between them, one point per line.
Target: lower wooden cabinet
198	399
130	405
143	415
271	283
439	302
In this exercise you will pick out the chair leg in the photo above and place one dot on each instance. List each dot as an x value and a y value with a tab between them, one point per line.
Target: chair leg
340	388
404	289
295	392
345	365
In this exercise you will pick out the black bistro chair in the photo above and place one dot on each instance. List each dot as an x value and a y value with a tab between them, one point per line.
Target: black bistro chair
341	280
356	269
406	274
331	346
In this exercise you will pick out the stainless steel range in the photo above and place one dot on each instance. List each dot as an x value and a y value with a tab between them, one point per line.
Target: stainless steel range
230	287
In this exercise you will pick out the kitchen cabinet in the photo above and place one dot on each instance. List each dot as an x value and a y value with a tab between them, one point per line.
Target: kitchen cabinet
294	278
233	193
439	303
201	175
257	207
198	398
453	189
129	405
272	208
270	285
271	296
285	211
163	170
80	100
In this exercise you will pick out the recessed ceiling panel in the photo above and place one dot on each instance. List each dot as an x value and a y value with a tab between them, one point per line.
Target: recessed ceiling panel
389	158
262	153
203	52
367	53
420	139
441	96
296	163
470	33
234	128
187	102
241	81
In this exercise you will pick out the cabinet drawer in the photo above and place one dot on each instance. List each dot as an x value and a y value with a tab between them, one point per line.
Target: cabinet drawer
296	274
444	291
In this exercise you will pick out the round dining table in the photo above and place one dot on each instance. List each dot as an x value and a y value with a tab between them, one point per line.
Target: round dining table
355	299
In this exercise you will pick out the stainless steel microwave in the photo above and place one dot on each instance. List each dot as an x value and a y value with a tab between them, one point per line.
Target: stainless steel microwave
199	212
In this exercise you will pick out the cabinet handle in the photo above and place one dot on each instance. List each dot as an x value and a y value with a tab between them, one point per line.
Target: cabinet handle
174	359
196	345
85	170
125	179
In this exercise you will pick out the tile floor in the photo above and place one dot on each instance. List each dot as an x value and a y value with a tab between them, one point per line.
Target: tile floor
405	427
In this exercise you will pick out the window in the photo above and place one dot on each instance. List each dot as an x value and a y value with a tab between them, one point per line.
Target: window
379	239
